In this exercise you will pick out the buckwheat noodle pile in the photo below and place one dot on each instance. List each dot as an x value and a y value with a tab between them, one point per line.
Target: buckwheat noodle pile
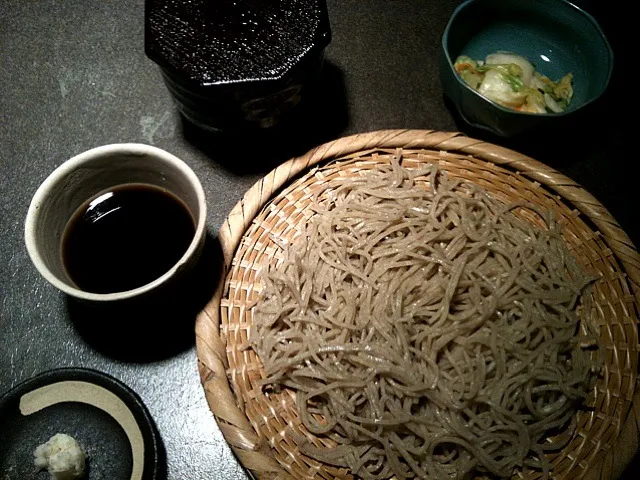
426	329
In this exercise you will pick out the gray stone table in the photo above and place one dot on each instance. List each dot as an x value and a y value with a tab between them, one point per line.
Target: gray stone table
73	75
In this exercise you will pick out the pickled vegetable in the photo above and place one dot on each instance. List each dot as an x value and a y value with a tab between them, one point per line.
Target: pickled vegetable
512	81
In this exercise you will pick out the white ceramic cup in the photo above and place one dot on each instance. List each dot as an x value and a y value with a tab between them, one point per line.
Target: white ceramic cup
90	173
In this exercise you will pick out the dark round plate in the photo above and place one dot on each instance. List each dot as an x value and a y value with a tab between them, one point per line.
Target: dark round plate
106	417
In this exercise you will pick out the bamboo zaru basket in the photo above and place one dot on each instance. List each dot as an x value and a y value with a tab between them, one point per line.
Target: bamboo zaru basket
262	428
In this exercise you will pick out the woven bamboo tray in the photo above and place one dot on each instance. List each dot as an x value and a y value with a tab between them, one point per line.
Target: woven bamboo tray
261	429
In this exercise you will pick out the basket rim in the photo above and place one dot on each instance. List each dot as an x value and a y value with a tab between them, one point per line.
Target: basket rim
250	450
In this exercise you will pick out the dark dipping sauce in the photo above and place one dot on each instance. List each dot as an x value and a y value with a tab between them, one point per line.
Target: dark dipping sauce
125	237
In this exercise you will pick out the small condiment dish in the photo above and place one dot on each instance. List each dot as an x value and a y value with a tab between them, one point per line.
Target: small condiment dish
556	36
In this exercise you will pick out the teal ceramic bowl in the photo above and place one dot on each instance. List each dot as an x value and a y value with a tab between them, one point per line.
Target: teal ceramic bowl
555	35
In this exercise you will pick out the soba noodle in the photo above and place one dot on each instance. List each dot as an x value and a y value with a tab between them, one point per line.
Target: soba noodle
426	328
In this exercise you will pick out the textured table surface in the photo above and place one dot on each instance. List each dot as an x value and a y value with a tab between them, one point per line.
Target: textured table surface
74	76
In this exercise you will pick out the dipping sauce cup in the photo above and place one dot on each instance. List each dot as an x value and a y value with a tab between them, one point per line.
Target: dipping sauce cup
102	226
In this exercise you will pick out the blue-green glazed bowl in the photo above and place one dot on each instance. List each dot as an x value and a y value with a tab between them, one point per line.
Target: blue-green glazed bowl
555	35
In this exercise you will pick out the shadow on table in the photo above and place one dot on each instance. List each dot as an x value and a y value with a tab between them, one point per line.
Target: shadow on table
154	328
593	151
632	470
322	117
560	146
